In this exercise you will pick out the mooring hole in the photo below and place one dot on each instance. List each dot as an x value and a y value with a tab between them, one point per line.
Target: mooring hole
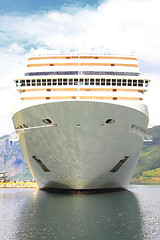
47	121
110	120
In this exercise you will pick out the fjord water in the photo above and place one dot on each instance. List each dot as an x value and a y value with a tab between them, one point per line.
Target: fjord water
125	215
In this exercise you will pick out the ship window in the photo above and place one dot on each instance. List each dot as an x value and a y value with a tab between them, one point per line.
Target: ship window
86	81
81	81
33	82
54	81
146	83
108	82
129	82
59	81
97	81
92	81
38	82
124	82
64	81
70	81
140	83
113	82
17	83
22	83
118	82
28	83
48	82
75	81
103	81
43	82
134	83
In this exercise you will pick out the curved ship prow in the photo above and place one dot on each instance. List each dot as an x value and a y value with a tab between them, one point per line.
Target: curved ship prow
81	120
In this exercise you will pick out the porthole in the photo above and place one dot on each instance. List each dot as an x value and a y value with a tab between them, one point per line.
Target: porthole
25	125
78	125
47	121
110	120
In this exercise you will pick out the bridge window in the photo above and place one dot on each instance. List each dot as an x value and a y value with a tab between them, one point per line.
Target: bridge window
108	82
97	81
129	82
48	82
134	83
81	81
92	81
140	83
22	83
86	81
43	82
64	81
17	83
118	82
124	82
146	83
59	81
113	82
54	81
75	81
33	82
70	81
38	82
103	81
28	83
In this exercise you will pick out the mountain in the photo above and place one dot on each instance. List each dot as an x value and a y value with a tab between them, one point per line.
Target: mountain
12	159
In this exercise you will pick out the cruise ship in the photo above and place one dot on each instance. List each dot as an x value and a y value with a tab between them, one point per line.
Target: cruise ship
81	119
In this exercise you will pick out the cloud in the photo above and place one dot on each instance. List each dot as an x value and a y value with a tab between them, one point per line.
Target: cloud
152	99
117	25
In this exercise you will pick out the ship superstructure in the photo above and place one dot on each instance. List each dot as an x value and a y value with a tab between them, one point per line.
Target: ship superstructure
100	77
82	119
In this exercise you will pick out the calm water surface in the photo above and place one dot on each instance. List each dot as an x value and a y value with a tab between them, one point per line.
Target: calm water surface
127	215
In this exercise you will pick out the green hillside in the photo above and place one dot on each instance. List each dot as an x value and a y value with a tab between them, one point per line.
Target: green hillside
152	173
150	155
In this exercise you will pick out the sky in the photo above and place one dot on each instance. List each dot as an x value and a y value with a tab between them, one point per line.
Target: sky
114	25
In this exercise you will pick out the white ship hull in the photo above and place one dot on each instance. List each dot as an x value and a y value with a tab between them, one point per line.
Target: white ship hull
78	149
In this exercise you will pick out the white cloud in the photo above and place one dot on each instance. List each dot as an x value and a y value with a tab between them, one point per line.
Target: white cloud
119	25
152	99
